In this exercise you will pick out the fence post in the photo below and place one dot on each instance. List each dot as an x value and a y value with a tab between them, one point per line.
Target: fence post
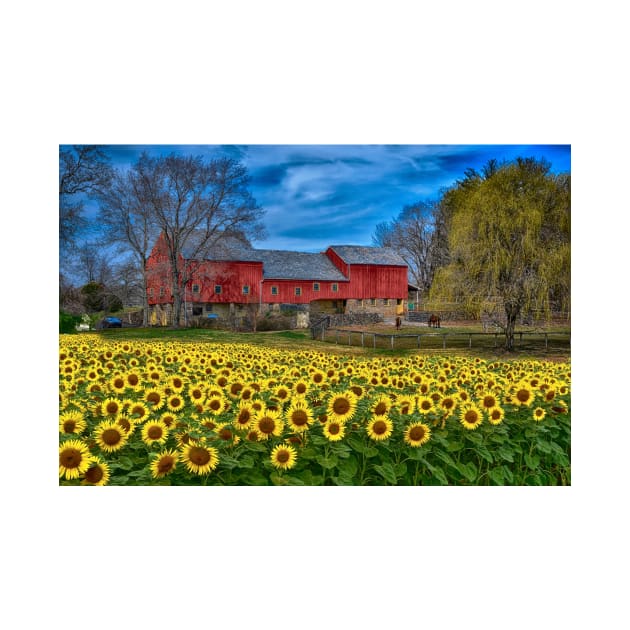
419	342
470	341
443	342
336	336
546	341
362	338
349	338
374	339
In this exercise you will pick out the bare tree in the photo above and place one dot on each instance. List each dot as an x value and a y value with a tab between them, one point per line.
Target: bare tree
414	234
128	221
83	172
194	203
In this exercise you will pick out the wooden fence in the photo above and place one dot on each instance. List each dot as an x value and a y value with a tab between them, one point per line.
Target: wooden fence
522	340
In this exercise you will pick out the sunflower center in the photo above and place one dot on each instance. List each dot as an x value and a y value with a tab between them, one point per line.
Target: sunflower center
133	379
301	388
94	474
225	434
522	395
341	406
447	403
124	423
471	416
416	433
496	414
199	455
70	458
154	398
69	426
244	416
489	401
111	407
215	405
379	427
425	405
139	411
165	464
154	432
333	428
380	409
299	417
119	383
283	457
176	402
267	425
111	437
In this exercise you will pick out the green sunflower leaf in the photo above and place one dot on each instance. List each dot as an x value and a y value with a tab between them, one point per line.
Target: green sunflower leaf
386	471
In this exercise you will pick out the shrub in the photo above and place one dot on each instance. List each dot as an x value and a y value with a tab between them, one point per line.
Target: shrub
68	322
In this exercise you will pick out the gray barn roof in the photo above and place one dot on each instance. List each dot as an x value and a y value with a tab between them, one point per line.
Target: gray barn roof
360	255
285	265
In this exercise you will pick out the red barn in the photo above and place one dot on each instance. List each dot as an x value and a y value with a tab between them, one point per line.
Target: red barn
233	276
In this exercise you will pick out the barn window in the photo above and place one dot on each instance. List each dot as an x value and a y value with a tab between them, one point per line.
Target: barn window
208	308
195	288
399	301
274	290
335	287
161	291
246	289
151	292
298	291
372	301
197	311
360	303
217	289
385	302
315	286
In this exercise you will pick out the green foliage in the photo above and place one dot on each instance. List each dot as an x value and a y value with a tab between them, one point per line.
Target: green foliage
68	323
509	240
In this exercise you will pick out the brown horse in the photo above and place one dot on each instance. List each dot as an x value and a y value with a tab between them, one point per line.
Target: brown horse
398	323
434	321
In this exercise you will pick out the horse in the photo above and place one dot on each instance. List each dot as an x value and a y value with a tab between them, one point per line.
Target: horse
434	321
398	323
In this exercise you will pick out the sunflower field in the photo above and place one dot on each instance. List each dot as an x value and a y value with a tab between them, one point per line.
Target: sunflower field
188	413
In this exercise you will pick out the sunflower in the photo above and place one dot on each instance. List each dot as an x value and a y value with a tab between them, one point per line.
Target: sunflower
382	405
244	415
154	432
318	377
97	474
406	404
299	415
496	415
74	459
523	394
154	397
133	380
417	434
282	393
111	407
138	411
268	422
470	416
71	422
283	456
118	384
539	414
342	406
199	458
110	436
175	402
216	404
448	404
164	463
425	405
300	387
488	401
334	430
176	383
127	423
380	428
168	418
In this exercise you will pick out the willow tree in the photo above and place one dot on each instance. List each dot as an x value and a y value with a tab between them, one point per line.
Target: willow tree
509	235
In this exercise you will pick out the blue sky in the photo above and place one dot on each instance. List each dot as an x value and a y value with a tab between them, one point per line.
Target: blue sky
317	195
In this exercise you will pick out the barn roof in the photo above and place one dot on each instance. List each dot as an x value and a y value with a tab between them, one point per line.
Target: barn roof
223	248
362	255
286	265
